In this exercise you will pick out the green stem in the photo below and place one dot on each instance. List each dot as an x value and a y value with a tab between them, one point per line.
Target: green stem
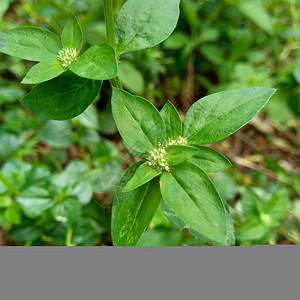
116	83
110	33
109	21
9	185
69	237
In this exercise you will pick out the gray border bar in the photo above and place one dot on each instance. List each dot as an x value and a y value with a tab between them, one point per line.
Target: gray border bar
42	273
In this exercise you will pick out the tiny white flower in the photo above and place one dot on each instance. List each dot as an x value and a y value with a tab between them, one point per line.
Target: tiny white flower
67	55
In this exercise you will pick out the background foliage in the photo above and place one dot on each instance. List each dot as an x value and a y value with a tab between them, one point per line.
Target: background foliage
72	167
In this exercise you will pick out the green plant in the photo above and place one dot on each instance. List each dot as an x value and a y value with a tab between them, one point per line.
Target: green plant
177	155
174	160
262	216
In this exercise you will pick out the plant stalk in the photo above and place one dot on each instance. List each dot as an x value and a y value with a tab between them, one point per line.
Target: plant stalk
110	33
69	237
109	21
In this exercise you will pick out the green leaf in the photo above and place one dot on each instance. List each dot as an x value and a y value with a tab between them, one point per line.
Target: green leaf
176	154
9	143
109	177
43	71
225	184
138	122
209	160
68	211
174	219
133	211
255	11
213	53
24	234
69	176
278	205
31	43
131	77
13	213
89	118
177	40
171	215
143	24
62	98
83	191
279	111
159	237
71	36
86	233
98	63
4	6
297	73
172	120
142	175
252	229
189	11
249	203
11	94
5	198
217	116
193	197
57	134
34	201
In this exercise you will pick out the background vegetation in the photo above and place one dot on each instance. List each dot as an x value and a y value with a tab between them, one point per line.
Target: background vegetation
58	177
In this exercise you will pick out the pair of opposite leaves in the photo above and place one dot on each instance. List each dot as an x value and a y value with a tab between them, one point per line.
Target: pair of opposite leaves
190	198
68	95
99	61
36	44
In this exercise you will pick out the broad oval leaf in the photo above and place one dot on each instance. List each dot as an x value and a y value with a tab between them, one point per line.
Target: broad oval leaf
43	71
57	134
138	122
68	211
209	160
63	97
131	78
98	63
191	194
143	24
217	116
171	215
256	12
278	205
9	143
34	201
252	229
4	6
174	219
13	213
132	211
250	202
176	154
172	120
25	233
142	175
31	43
71	36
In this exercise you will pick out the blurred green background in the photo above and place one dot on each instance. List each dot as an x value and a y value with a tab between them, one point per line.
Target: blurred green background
62	174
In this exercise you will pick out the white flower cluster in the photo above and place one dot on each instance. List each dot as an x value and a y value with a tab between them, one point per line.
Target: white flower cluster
179	141
67	55
157	156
